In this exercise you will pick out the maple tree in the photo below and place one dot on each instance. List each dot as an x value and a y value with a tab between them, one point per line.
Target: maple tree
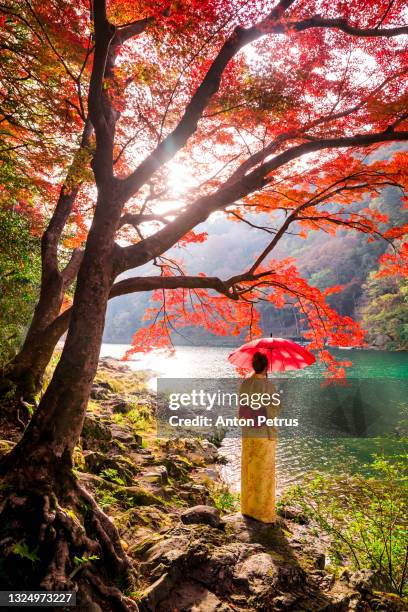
265	106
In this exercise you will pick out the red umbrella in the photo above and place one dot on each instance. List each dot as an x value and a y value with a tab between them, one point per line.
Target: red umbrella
283	355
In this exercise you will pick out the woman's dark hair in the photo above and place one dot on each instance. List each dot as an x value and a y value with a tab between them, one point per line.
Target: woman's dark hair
259	362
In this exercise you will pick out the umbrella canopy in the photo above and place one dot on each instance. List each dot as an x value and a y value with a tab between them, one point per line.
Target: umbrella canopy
283	355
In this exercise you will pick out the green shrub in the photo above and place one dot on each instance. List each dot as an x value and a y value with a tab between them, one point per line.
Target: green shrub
20	267
113	476
366	517
223	499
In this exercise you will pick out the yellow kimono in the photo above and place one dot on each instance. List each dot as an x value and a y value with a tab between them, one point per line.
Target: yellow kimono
258	460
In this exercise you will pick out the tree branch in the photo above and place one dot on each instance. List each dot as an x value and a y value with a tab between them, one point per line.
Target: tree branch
129	30
150	283
317	199
104	33
341	24
199	101
71	269
211	82
273	146
198	212
63	208
138	218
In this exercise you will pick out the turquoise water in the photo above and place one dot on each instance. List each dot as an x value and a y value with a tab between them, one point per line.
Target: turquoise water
295	457
368	364
299	456
210	361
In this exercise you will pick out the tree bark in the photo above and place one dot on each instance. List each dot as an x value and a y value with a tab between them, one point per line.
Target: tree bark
28	367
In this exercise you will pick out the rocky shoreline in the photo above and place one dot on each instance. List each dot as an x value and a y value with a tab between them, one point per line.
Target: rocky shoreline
190	547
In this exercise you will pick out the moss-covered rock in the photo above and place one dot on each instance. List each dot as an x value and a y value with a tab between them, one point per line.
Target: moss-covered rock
138	496
115	468
178	467
95	431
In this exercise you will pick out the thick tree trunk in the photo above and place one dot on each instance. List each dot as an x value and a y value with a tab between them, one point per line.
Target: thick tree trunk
57	423
27	369
38	470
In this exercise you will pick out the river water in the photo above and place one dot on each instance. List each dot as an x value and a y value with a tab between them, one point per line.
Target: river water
298	456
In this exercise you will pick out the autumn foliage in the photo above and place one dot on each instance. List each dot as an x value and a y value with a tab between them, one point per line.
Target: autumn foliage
240	108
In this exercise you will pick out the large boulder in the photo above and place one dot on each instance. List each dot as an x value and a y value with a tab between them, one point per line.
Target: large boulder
217	570
138	496
96	434
101	390
121	406
167	552
364	580
178	467
115	468
204	515
157	474
187	596
156	594
209	450
245	529
293	513
123	435
257	573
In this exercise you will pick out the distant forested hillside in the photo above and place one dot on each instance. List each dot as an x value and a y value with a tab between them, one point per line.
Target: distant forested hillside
345	259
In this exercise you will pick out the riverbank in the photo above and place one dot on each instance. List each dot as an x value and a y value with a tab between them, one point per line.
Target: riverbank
190	548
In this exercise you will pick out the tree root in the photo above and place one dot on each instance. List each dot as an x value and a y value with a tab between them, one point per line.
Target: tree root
17	403
111	593
62	542
107	532
15	412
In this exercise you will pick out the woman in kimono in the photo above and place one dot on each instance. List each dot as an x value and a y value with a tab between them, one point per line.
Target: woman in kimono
258	447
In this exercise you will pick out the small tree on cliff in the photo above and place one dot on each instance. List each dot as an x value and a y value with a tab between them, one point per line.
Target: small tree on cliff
291	131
